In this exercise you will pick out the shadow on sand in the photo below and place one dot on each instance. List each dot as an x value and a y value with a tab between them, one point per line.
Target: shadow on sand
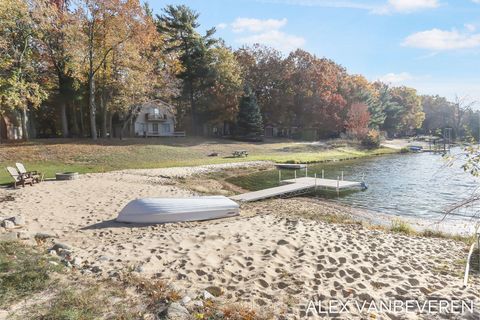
112	223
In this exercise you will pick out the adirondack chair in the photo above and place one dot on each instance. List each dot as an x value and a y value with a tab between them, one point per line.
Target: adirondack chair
19	178
36	176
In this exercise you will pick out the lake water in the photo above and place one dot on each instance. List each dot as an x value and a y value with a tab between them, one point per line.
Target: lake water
420	185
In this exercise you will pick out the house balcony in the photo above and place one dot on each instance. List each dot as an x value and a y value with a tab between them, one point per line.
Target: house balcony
155	117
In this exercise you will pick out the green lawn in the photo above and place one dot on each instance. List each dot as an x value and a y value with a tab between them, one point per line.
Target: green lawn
84	156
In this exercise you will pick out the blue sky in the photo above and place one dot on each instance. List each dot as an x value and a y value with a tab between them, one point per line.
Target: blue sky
431	45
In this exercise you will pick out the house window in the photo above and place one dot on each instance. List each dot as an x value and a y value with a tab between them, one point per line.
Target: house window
155	127
166	128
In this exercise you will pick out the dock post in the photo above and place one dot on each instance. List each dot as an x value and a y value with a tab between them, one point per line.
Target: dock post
306	172
338	186
323	174
342	175
316	187
295	175
279	176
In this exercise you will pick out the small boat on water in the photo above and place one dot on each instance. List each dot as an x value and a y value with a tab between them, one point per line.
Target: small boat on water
416	148
291	166
164	210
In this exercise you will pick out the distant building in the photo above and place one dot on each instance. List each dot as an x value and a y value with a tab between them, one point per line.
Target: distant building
217	129
155	119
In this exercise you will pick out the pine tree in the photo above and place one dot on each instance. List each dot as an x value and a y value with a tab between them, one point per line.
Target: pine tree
249	119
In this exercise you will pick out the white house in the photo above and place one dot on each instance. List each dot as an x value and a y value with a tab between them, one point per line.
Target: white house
155	119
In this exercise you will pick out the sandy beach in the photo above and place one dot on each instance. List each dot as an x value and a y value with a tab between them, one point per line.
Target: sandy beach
276	256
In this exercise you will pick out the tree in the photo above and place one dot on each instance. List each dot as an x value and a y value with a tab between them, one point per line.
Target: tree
411	115
263	70
107	25
219	103
21	85
378	104
317	98
438	113
461	107
403	112
249	119
56	26
358	120
178	24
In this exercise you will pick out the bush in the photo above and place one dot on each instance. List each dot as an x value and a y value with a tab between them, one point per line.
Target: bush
400	226
372	139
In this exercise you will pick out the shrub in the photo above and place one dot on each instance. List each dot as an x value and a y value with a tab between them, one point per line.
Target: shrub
400	226
372	139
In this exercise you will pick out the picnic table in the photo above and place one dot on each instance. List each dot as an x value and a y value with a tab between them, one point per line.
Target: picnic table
240	153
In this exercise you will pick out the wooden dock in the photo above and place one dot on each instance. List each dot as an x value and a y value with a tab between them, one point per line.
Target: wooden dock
297	186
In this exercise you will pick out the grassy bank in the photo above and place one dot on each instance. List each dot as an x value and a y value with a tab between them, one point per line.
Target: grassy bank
84	156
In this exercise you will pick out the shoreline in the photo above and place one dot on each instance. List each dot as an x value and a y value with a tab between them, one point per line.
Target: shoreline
448	226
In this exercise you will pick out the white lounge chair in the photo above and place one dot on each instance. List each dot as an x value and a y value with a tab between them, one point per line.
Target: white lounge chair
19	178
36	176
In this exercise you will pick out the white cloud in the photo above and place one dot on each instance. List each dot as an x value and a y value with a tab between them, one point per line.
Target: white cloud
367	5
221	26
267	32
396	78
470	26
257	25
274	38
373	6
441	40
412	5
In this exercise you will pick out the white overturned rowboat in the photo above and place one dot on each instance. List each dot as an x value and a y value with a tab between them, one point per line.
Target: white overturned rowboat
163	210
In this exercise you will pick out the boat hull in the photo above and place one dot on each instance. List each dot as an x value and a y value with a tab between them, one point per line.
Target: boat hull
165	210
289	166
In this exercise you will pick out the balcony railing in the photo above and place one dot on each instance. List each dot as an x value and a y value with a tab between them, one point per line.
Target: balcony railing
155	117
164	134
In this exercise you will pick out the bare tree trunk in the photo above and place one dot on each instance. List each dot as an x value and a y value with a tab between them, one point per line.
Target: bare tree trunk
82	120
103	106
91	84
24	117
74	119
91	104
63	111
110	124
126	122
192	109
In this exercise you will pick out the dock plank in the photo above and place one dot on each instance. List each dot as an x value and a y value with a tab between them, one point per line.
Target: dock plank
293	186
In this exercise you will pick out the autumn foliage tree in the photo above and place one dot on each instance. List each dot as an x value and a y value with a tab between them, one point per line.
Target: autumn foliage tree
358	120
22	86
108	27
100	60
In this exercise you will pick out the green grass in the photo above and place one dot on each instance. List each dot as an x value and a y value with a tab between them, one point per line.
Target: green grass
94	302
84	156
400	226
23	271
